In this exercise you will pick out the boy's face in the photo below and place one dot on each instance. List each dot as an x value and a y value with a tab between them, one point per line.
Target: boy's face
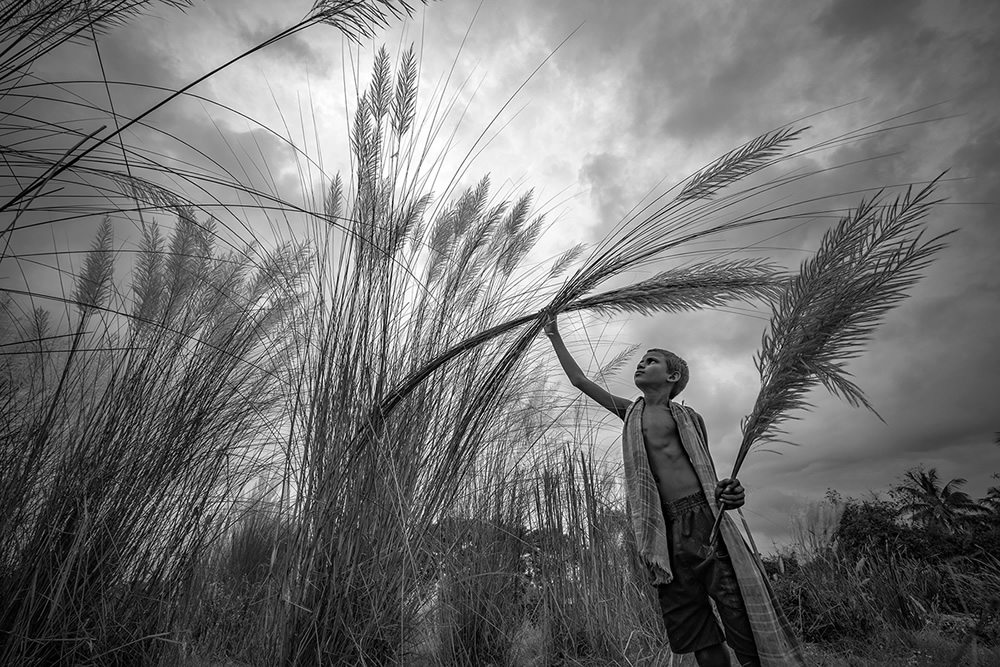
651	372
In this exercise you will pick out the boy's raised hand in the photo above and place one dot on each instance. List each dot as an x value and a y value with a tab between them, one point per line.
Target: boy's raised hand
730	493
550	327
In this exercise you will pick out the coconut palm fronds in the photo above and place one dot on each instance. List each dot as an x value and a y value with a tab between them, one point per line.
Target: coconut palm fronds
702	285
739	163
864	268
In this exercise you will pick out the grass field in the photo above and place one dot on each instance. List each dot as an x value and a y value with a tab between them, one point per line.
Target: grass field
219	448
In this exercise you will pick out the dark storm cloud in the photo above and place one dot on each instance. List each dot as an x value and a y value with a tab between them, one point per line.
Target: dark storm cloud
857	19
721	71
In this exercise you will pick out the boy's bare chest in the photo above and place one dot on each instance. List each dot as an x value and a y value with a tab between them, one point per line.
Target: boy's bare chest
668	462
659	430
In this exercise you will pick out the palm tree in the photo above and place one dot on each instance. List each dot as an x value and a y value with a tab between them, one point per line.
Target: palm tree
935	507
992	499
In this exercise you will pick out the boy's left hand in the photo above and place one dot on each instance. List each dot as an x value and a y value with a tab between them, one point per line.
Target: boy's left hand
729	493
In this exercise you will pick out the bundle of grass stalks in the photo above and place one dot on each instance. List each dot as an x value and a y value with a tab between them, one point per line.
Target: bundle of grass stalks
863	269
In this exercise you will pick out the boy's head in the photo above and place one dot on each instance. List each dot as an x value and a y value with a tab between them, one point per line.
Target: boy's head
658	367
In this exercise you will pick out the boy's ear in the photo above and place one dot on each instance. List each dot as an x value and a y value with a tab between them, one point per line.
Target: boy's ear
674	377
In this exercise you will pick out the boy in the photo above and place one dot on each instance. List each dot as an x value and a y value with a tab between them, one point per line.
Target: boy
669	479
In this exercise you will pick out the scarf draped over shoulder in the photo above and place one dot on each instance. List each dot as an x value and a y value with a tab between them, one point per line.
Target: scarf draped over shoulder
776	642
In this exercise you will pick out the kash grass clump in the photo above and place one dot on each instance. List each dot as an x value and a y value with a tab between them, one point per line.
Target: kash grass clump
540	569
404	280
128	435
121	469
234	591
591	596
481	586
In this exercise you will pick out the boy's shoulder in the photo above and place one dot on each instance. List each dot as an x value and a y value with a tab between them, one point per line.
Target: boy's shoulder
696	417
687	408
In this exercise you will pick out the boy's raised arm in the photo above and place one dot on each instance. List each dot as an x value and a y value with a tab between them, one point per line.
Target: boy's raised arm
606	399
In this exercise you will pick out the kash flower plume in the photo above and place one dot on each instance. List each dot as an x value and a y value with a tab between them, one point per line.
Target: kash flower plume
864	267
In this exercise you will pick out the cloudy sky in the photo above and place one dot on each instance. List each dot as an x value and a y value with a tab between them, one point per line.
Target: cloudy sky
635	93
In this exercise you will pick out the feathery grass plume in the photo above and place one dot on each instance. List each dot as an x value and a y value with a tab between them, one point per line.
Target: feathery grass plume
22	17
404	102
739	163
359	18
381	86
144	191
31	28
147	286
92	288
94	284
616	362
565	260
863	268
702	285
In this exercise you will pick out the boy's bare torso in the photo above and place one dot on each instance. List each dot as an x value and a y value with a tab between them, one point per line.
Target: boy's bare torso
675	476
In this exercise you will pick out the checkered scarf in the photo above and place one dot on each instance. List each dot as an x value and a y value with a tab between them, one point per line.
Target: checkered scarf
776	642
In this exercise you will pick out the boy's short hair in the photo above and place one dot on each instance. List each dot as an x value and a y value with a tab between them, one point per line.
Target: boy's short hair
674	363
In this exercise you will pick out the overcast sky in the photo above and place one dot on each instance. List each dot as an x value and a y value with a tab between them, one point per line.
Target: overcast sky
644	92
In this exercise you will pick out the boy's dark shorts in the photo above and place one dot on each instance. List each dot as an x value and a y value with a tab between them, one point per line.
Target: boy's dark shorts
699	574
